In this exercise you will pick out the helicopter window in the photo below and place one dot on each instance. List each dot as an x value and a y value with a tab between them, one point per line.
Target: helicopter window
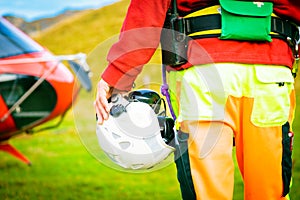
38	105
14	42
10	93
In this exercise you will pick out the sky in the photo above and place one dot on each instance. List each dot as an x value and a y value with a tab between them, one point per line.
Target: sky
31	10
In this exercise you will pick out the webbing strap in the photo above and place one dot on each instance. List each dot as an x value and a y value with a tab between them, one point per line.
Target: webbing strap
203	23
282	29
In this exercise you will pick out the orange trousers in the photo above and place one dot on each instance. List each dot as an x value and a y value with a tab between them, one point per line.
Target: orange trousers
263	152
258	151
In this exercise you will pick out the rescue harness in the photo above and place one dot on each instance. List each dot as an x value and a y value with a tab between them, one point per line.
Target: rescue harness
204	26
210	22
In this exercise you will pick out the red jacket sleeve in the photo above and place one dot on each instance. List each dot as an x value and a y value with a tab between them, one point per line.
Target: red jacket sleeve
139	38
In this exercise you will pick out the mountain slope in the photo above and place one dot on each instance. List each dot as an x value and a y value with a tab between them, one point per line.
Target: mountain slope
93	32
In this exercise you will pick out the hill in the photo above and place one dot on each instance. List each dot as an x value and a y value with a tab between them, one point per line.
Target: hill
35	27
93	32
84	30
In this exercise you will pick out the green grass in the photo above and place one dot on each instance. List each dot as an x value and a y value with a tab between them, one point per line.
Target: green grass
63	167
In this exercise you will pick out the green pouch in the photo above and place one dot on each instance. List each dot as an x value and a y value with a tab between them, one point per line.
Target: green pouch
246	20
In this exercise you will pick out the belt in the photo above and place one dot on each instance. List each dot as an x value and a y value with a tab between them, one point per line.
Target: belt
281	28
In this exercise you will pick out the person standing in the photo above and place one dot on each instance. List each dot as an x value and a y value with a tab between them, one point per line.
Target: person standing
239	87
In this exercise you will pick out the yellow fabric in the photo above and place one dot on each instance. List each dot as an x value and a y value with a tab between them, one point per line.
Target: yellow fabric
206	11
209	32
204	91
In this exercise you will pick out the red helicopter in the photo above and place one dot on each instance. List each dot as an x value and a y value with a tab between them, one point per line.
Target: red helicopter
35	85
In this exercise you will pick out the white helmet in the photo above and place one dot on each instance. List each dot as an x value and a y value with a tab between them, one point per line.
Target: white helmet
132	137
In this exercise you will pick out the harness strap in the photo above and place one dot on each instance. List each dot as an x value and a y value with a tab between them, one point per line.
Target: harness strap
197	27
284	28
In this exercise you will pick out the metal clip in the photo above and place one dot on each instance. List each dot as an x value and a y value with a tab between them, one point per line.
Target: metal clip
294	46
291	136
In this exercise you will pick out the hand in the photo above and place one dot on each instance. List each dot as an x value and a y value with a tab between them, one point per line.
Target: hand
102	108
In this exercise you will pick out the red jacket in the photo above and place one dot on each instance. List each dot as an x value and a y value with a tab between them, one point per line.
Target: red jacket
140	37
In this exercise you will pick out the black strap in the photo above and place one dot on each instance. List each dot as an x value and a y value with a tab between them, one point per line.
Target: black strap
173	7
202	23
284	28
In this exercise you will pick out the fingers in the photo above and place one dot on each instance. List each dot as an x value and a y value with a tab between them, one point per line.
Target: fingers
101	104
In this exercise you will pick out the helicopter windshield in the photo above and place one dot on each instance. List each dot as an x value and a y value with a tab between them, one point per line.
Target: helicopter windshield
14	42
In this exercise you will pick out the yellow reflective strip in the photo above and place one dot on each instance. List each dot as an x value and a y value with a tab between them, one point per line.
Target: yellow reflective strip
205	11
273	33
215	31
208	32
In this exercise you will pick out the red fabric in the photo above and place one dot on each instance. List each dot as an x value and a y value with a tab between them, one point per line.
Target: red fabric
212	50
140	36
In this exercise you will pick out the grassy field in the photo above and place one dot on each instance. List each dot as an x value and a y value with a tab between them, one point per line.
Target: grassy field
64	160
